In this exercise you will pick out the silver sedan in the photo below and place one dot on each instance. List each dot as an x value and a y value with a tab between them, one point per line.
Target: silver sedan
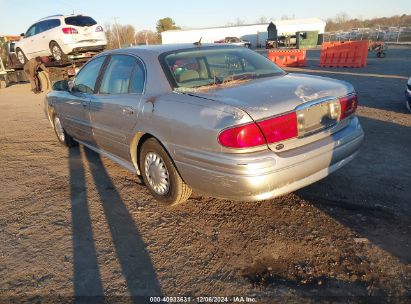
220	120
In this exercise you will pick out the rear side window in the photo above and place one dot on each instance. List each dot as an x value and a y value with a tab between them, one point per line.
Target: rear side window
85	81
123	75
52	24
137	79
80	21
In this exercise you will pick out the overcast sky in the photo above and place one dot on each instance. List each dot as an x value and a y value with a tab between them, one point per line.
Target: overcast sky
17	15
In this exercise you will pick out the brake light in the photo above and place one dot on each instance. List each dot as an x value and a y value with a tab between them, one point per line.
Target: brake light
99	29
256	134
245	136
279	128
348	105
69	30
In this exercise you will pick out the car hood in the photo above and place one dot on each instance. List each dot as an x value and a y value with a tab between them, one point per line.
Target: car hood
262	98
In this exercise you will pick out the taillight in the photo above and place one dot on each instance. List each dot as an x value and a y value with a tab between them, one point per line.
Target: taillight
279	128
256	134
69	30
348	105
99	29
245	136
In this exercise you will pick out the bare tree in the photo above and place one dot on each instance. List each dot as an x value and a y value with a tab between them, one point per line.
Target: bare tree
239	22
117	34
262	20
147	37
342	17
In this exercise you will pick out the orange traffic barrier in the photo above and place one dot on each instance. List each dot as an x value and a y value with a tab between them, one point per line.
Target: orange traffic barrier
350	54
288	58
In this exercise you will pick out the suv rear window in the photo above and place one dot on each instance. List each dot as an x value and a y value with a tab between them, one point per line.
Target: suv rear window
80	21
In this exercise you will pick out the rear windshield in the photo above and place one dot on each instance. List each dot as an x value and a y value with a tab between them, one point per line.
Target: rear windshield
212	66
80	21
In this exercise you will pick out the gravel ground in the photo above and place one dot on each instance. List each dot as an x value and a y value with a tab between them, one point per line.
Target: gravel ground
73	223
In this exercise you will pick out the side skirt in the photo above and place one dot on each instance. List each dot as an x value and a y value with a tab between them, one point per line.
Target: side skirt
125	164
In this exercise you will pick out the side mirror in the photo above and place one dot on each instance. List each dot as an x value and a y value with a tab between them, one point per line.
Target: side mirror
62	85
22	35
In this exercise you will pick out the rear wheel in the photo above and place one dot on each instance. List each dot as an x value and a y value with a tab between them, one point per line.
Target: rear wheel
160	175
62	136
57	52
20	56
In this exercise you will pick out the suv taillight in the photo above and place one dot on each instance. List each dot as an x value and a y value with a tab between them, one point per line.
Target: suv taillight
256	134
348	105
99	29
69	30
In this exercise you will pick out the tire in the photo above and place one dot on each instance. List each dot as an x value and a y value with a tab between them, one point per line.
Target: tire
62	136
45	84
20	56
57	52
161	176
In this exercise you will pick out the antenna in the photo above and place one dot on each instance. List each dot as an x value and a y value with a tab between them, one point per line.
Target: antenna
198	43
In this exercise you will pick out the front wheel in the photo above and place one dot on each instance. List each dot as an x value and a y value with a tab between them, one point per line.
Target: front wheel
20	56
160	175
64	138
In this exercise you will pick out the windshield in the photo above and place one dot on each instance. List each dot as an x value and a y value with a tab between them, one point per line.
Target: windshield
213	66
80	21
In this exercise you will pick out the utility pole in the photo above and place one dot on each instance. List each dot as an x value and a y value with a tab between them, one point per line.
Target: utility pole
118	35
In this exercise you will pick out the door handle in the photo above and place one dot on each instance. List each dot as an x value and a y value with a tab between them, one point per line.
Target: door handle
128	111
84	104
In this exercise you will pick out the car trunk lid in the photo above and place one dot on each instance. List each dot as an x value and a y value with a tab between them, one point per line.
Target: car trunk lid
315	100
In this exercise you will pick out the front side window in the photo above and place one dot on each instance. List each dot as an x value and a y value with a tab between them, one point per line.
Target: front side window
85	81
210	66
122	75
31	31
41	27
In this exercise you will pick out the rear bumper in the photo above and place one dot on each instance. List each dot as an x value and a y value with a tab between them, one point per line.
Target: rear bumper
263	175
82	47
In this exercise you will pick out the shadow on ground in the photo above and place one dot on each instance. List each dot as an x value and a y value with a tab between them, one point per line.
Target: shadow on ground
135	262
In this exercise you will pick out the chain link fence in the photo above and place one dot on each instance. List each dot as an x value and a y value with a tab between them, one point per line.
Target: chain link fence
392	35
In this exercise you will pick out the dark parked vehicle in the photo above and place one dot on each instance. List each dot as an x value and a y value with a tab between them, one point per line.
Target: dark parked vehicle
220	119
408	95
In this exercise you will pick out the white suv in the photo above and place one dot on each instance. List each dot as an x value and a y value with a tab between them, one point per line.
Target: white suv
62	37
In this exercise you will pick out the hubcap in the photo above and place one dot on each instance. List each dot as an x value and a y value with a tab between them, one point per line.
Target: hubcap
20	56
59	129
157	173
56	52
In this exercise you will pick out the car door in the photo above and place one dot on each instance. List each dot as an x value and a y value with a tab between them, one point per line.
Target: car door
27	43
74	108
114	110
48	29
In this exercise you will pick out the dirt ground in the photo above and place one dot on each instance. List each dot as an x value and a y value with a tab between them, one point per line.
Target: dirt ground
73	223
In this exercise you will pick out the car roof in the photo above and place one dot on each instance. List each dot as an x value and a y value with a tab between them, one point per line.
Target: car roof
59	16
165	48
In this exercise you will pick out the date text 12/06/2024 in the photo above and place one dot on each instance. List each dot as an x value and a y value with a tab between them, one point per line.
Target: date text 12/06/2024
234	299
